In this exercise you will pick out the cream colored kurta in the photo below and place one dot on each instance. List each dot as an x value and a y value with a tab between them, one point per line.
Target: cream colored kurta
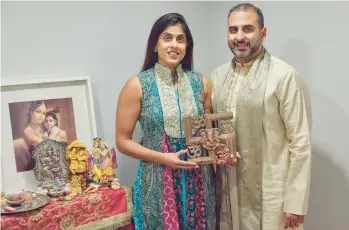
240	73
285	161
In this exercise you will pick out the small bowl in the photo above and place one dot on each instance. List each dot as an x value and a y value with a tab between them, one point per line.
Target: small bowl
11	200
55	194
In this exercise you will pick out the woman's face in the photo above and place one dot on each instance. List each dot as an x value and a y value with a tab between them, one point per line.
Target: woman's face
171	46
49	122
38	115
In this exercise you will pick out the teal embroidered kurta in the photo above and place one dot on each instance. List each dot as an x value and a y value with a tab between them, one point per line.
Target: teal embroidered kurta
166	198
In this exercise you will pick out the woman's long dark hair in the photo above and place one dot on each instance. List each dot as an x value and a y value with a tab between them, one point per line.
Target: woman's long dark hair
159	26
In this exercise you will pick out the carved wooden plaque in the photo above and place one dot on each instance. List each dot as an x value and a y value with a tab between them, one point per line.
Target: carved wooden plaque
216	134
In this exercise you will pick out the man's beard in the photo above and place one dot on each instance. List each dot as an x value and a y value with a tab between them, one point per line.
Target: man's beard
241	54
246	53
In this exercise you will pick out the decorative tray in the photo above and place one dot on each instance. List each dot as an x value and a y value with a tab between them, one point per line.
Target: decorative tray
38	201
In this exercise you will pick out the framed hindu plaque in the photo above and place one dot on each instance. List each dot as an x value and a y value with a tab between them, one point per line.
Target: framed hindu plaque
214	134
59	109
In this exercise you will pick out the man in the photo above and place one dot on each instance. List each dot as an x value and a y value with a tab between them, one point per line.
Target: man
269	187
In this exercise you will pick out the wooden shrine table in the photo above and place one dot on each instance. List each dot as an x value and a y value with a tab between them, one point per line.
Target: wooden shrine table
104	209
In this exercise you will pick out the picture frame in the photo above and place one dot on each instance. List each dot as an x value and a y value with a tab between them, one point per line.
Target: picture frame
76	121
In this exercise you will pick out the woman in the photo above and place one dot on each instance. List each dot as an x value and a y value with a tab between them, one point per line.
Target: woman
32	136
169	193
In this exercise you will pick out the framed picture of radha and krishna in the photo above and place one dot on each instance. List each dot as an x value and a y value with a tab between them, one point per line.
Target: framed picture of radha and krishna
59	109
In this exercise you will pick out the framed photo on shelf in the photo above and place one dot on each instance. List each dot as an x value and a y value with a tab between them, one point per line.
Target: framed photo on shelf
60	109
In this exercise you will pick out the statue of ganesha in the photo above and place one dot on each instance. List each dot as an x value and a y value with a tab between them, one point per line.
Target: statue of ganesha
102	162
76	156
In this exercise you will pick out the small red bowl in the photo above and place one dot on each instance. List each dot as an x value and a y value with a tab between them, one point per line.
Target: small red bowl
14	200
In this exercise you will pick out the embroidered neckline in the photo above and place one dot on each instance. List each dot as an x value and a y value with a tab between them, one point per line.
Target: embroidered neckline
165	73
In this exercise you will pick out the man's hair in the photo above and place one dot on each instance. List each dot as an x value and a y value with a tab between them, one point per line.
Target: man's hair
245	7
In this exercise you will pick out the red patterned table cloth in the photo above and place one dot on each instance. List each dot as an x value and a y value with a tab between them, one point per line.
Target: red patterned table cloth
105	209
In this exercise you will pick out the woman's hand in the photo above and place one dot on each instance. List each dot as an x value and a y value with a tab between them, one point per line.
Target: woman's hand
173	160
127	115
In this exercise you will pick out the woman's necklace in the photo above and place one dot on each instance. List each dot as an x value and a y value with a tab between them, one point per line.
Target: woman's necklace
37	131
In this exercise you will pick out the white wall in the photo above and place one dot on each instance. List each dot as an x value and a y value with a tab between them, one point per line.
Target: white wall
107	41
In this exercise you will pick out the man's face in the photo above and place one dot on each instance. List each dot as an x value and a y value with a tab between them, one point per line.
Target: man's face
245	37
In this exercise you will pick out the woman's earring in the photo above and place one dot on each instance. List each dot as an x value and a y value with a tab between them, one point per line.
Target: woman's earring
155	49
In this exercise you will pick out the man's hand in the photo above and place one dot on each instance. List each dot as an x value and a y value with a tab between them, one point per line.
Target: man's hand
292	220
231	160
